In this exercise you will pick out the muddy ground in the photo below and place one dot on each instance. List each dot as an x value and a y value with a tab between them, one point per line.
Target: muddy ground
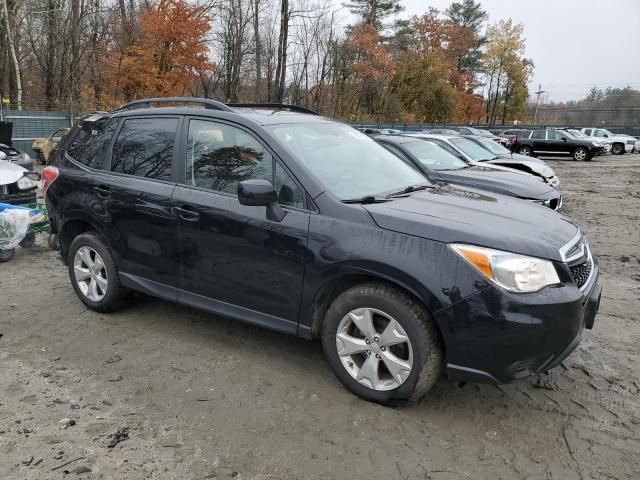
204	397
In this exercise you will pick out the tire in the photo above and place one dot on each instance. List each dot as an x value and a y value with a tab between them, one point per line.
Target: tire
422	351
581	154
6	255
28	241
53	242
617	149
91	258
527	151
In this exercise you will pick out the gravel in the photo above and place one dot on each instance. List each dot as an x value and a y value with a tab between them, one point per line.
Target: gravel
274	410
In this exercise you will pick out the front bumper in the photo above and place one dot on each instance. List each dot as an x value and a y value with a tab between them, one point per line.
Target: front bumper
500	337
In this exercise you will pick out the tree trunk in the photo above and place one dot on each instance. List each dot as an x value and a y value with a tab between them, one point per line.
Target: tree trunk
256	35
14	56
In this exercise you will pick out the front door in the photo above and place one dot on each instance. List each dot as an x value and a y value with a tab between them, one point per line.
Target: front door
234	260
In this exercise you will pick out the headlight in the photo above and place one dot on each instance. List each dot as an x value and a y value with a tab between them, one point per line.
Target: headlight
25	183
596	144
513	272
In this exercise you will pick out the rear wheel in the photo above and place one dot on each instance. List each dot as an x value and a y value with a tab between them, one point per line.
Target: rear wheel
524	150
381	344
581	154
94	274
6	255
617	149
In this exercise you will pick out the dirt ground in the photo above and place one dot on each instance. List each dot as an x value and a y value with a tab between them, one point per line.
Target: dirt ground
204	397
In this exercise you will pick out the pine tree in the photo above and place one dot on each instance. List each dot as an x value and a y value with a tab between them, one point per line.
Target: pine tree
469	14
374	12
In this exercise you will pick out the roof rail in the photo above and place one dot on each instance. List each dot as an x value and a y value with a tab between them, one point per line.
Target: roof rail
146	103
275	106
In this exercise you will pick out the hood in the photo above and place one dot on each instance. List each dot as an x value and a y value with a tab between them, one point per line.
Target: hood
502	180
457	215
10	172
534	165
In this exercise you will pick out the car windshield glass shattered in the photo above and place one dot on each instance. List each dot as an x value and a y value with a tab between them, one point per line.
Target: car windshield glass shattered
347	162
434	157
472	149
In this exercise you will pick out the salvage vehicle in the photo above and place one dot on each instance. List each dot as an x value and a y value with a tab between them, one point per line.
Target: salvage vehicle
477	132
285	219
473	153
619	144
606	144
16	157
439	164
552	142
504	157
43	146
16	186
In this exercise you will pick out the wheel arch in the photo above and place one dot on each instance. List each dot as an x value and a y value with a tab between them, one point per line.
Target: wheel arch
342	278
71	228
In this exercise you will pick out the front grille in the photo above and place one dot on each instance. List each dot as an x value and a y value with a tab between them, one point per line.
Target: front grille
580	273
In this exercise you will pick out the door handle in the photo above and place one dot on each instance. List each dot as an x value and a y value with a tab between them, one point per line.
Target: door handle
102	192
186	214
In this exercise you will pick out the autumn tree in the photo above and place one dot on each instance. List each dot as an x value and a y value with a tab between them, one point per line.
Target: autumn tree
469	15
507	72
164	60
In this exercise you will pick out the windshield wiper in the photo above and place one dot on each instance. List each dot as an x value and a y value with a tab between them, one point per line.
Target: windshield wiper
409	189
366	199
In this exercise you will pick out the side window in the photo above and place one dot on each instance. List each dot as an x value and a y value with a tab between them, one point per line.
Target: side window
220	156
289	193
90	144
587	132
144	147
599	133
553	135
538	134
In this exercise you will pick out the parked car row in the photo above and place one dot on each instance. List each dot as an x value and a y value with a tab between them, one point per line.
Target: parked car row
404	255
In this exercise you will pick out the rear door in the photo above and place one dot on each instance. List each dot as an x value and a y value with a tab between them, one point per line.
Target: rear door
539	141
142	227
235	261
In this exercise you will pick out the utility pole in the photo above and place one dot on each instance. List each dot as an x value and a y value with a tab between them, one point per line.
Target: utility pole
538	93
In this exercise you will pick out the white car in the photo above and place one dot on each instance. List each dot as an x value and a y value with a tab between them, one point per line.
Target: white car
619	143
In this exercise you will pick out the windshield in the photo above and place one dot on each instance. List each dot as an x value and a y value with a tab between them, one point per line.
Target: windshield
472	149
484	133
347	162
571	134
432	156
492	146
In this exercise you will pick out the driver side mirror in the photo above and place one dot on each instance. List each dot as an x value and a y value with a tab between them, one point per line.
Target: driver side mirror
258	193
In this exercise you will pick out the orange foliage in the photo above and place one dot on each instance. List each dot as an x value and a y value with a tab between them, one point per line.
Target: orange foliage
168	55
372	62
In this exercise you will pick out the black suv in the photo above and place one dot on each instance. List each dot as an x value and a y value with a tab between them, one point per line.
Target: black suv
552	142
282	218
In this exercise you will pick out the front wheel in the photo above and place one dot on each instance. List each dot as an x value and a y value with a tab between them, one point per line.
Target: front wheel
94	274
527	151
581	154
617	149
28	241
381	344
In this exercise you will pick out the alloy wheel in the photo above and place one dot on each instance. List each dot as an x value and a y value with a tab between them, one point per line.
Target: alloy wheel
525	151
580	154
374	348
90	273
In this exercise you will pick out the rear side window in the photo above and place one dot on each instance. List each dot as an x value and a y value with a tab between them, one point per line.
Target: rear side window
538	134
144	147
90	144
587	131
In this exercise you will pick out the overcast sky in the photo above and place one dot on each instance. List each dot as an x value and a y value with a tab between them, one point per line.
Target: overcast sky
575	44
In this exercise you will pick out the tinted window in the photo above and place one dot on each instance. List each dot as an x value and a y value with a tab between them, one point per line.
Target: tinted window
553	135
587	132
289	193
538	134
90	144
432	156
219	156
144	147
347	162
